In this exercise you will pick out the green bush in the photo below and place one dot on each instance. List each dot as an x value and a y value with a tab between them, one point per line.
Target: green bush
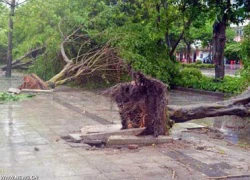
191	73
191	78
45	67
198	62
198	65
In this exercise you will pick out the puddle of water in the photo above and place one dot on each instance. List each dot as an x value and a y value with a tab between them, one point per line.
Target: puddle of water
235	129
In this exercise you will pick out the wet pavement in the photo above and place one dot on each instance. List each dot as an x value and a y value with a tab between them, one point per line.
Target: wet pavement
31	144
230	70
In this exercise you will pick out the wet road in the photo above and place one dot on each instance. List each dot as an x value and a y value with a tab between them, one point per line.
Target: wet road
30	142
230	70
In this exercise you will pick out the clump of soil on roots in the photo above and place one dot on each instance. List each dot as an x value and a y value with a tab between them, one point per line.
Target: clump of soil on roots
142	103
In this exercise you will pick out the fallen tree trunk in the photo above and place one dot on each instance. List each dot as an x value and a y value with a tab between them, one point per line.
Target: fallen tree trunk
22	65
31	54
143	103
239	105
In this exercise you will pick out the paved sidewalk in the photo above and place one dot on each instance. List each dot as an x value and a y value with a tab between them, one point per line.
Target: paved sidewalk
30	144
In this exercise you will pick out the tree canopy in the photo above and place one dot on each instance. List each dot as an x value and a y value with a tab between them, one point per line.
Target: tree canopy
145	33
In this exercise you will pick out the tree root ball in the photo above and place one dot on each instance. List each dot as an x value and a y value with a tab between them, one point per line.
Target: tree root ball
32	81
142	103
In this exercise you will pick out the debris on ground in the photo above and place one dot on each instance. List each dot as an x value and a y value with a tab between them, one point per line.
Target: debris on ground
36	149
133	146
111	135
14	91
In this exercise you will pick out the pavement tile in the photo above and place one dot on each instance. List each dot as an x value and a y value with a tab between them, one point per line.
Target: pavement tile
29	143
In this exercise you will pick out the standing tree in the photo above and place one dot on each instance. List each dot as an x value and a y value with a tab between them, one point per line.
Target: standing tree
227	12
3	33
13	4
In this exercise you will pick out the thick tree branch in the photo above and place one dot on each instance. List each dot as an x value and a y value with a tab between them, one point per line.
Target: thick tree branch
31	54
239	105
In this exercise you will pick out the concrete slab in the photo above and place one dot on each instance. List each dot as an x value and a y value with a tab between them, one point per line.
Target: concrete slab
101	128
103	136
139	140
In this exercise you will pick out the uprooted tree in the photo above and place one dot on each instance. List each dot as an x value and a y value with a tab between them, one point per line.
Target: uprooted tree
142	102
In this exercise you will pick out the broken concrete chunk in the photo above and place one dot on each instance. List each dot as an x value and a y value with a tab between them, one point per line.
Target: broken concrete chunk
137	140
103	136
100	128
75	137
14	91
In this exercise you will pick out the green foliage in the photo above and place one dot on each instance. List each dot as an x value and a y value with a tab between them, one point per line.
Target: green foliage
192	78
37	24
231	11
8	97
198	65
143	32
3	33
139	39
12	97
188	77
233	51
246	48
198	62
45	68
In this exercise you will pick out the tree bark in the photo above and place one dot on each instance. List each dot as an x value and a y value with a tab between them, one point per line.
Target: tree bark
188	50
219	40
10	36
171	53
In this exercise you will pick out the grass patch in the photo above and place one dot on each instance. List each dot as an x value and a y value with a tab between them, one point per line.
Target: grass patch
8	97
198	66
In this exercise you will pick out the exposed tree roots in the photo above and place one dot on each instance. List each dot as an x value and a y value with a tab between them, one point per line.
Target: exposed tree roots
32	81
142	103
